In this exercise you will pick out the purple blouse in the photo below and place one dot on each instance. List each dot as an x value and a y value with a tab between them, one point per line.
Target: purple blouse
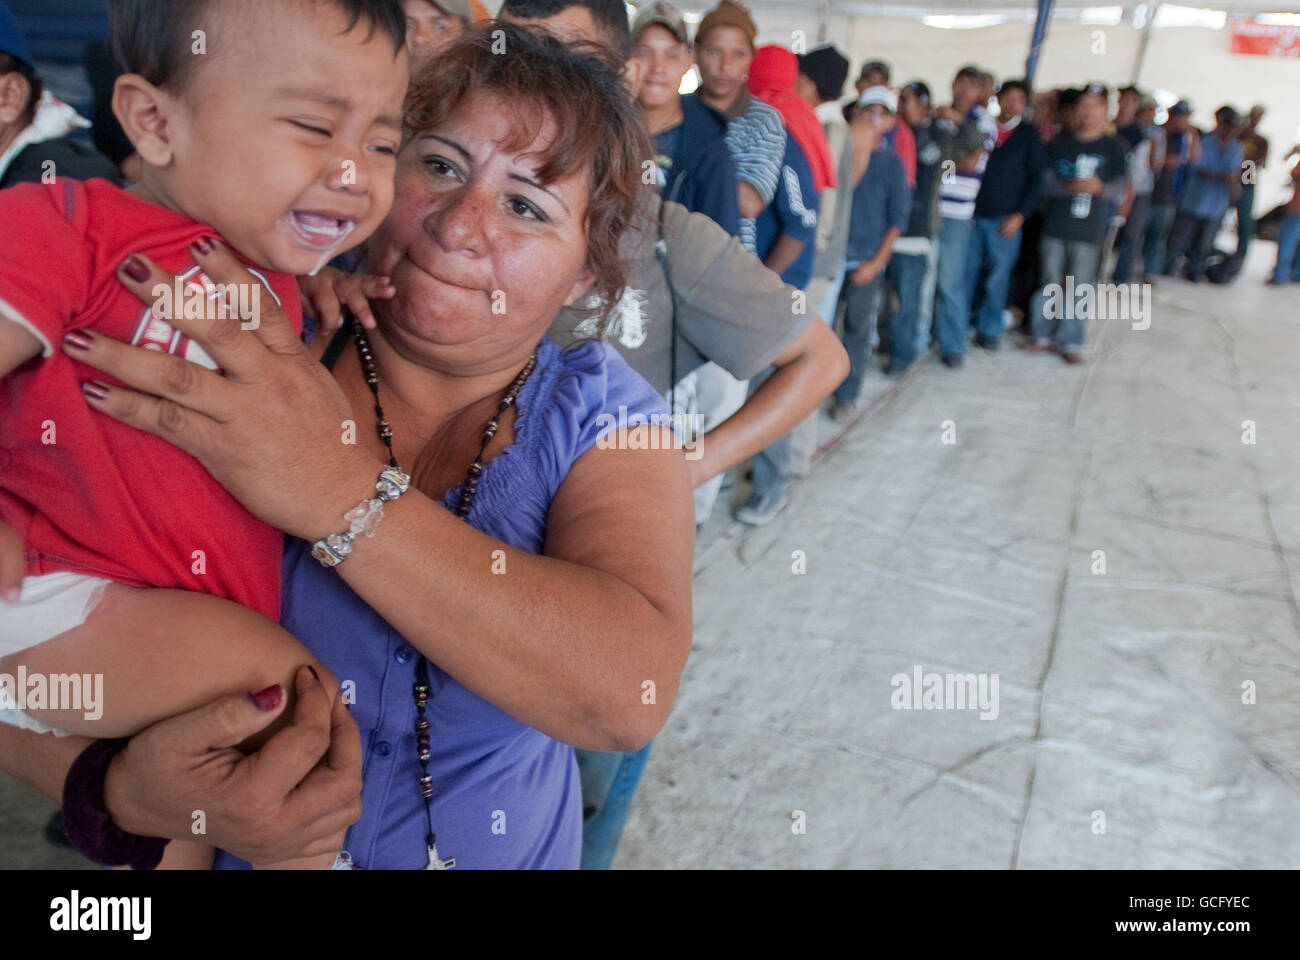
506	796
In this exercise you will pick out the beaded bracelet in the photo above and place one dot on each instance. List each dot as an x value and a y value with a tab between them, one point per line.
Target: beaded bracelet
363	518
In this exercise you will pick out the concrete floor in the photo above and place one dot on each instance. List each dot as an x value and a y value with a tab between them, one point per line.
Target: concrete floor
1122	739
1120	694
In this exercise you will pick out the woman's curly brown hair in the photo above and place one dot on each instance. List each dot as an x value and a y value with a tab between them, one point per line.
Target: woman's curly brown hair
578	88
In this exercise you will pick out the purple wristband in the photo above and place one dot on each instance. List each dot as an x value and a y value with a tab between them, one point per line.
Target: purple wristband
90	829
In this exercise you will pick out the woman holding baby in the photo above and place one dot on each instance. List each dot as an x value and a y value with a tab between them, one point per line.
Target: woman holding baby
526	590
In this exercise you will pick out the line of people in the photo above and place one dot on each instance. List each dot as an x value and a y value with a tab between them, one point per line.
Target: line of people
909	224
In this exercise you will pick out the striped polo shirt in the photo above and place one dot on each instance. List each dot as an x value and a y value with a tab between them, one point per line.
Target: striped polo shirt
958	190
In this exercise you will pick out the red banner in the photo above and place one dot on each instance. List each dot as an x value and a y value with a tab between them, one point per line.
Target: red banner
1265	39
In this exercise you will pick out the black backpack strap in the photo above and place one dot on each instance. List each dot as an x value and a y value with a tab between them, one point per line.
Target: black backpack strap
661	252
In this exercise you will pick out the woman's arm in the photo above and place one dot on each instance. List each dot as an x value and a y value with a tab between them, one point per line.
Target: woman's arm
564	642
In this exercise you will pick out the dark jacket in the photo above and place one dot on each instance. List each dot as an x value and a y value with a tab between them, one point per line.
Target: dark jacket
703	177
71	158
1014	175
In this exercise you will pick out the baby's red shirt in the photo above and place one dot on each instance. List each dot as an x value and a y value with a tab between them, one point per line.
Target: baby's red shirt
85	493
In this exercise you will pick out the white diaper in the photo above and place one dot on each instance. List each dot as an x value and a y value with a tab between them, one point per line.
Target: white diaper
50	605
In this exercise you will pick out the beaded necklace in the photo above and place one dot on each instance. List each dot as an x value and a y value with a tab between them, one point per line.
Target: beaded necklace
421	687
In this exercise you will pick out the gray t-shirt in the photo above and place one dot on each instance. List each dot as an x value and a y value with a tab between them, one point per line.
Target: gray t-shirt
731	309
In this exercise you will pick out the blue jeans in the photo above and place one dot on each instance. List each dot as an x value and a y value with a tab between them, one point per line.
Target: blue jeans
1193	237
928	283
861	309
906	273
952	296
1130	245
1245	227
992	258
1159	218
609	781
1057	260
1288	241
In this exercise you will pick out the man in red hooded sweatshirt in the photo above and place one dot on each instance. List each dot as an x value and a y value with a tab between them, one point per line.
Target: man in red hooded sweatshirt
785	237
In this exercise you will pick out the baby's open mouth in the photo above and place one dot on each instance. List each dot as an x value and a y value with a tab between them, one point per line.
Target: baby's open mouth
320	231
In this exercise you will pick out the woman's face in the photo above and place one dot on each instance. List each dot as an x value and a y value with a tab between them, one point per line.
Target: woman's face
482	254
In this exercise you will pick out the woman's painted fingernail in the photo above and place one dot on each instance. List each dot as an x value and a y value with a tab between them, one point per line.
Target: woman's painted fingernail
136	269
78	340
95	390
267	699
203	246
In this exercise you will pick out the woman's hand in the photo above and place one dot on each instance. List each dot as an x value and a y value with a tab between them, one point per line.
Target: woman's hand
12	565
276	430
293	798
331	290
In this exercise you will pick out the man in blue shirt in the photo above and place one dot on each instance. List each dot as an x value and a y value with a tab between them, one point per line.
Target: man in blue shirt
1212	183
792	217
881	204
786	236
690	137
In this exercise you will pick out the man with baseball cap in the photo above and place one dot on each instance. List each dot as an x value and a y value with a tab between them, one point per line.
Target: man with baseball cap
34	126
965	118
1086	172
1147	158
1182	143
431	25
881	203
1254	157
690	137
724	50
1213	182
875	73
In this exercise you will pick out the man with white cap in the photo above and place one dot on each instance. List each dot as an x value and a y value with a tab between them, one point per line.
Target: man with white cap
881	203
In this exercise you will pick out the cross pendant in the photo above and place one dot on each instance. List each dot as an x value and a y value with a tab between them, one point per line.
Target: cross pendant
435	863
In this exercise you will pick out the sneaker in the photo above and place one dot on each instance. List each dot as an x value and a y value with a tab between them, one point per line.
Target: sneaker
987	343
841	412
759	510
1072	356
953	361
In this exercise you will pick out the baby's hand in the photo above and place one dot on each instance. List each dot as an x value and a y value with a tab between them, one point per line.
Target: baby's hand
11	565
327	293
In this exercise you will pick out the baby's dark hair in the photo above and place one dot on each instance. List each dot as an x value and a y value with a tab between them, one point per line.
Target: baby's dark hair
11	64
153	37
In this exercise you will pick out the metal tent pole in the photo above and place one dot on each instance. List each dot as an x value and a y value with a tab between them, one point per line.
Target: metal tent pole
1041	20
